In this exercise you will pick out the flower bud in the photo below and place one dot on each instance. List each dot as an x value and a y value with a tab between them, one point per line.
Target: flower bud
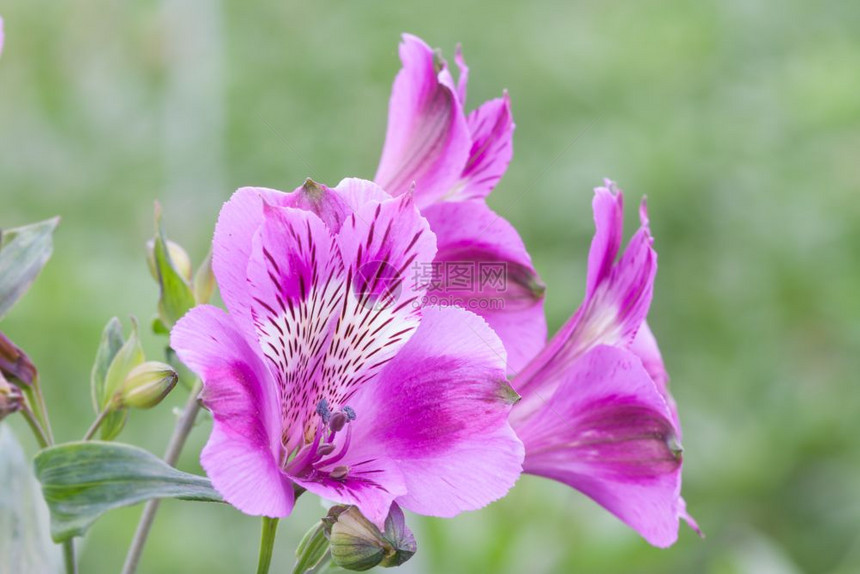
357	544
14	363
11	399
178	257
146	385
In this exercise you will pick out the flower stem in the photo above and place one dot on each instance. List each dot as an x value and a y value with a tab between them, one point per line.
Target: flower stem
96	424
171	455
69	556
37	429
267	543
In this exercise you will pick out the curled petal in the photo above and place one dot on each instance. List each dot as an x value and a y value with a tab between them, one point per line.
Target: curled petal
243	451
483	266
492	128
427	142
440	409
608	433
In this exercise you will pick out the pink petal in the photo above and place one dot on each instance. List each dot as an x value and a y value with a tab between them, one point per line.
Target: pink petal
242	454
440	412
297	278
463	79
618	296
371	484
608	206
231	248
427	142
608	433
483	266
645	347
379	245
492	128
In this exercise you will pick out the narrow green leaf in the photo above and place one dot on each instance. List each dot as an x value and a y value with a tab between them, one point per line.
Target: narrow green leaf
23	253
311	549
128	357
112	341
176	294
83	480
25	544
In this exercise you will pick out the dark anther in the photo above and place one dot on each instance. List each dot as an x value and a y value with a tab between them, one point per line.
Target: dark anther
325	449
339	472
350	414
337	421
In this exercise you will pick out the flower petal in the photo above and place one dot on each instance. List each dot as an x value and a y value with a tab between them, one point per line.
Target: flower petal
231	248
608	433
440	413
242	454
427	142
483	266
618	297
492	129
379	246
296	276
463	79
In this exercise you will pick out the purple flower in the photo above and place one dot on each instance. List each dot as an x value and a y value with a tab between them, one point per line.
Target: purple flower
328	374
596	412
454	160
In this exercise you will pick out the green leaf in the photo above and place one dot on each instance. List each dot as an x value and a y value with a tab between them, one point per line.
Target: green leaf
176	294
25	544
83	480
112	341
311	549
128	357
23	253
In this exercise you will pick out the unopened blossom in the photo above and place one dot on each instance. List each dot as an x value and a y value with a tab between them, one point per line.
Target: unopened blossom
453	160
596	412
328	374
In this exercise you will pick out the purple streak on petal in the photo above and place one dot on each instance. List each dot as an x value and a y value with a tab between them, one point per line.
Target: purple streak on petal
608	432
492	128
243	452
231	248
379	246
371	483
296	276
427	141
440	410
470	233
463	79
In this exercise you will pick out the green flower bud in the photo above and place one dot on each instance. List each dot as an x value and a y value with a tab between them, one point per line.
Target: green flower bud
11	399
178	257
357	544
14	363
146	385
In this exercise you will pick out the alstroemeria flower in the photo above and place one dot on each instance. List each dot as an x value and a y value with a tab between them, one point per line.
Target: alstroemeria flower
327	373
453	161
596	412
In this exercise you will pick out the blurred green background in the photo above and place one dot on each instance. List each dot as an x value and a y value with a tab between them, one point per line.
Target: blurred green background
739	119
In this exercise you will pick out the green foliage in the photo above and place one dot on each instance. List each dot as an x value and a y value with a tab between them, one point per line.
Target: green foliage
23	253
81	481
25	545
176	294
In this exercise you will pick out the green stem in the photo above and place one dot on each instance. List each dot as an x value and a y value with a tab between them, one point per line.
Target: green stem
97	423
69	557
267	543
38	431
177	442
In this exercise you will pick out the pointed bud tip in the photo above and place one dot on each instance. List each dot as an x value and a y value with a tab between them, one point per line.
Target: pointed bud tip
146	385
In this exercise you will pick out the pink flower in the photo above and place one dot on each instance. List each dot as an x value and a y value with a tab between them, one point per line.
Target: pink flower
454	160
596	412
328	374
